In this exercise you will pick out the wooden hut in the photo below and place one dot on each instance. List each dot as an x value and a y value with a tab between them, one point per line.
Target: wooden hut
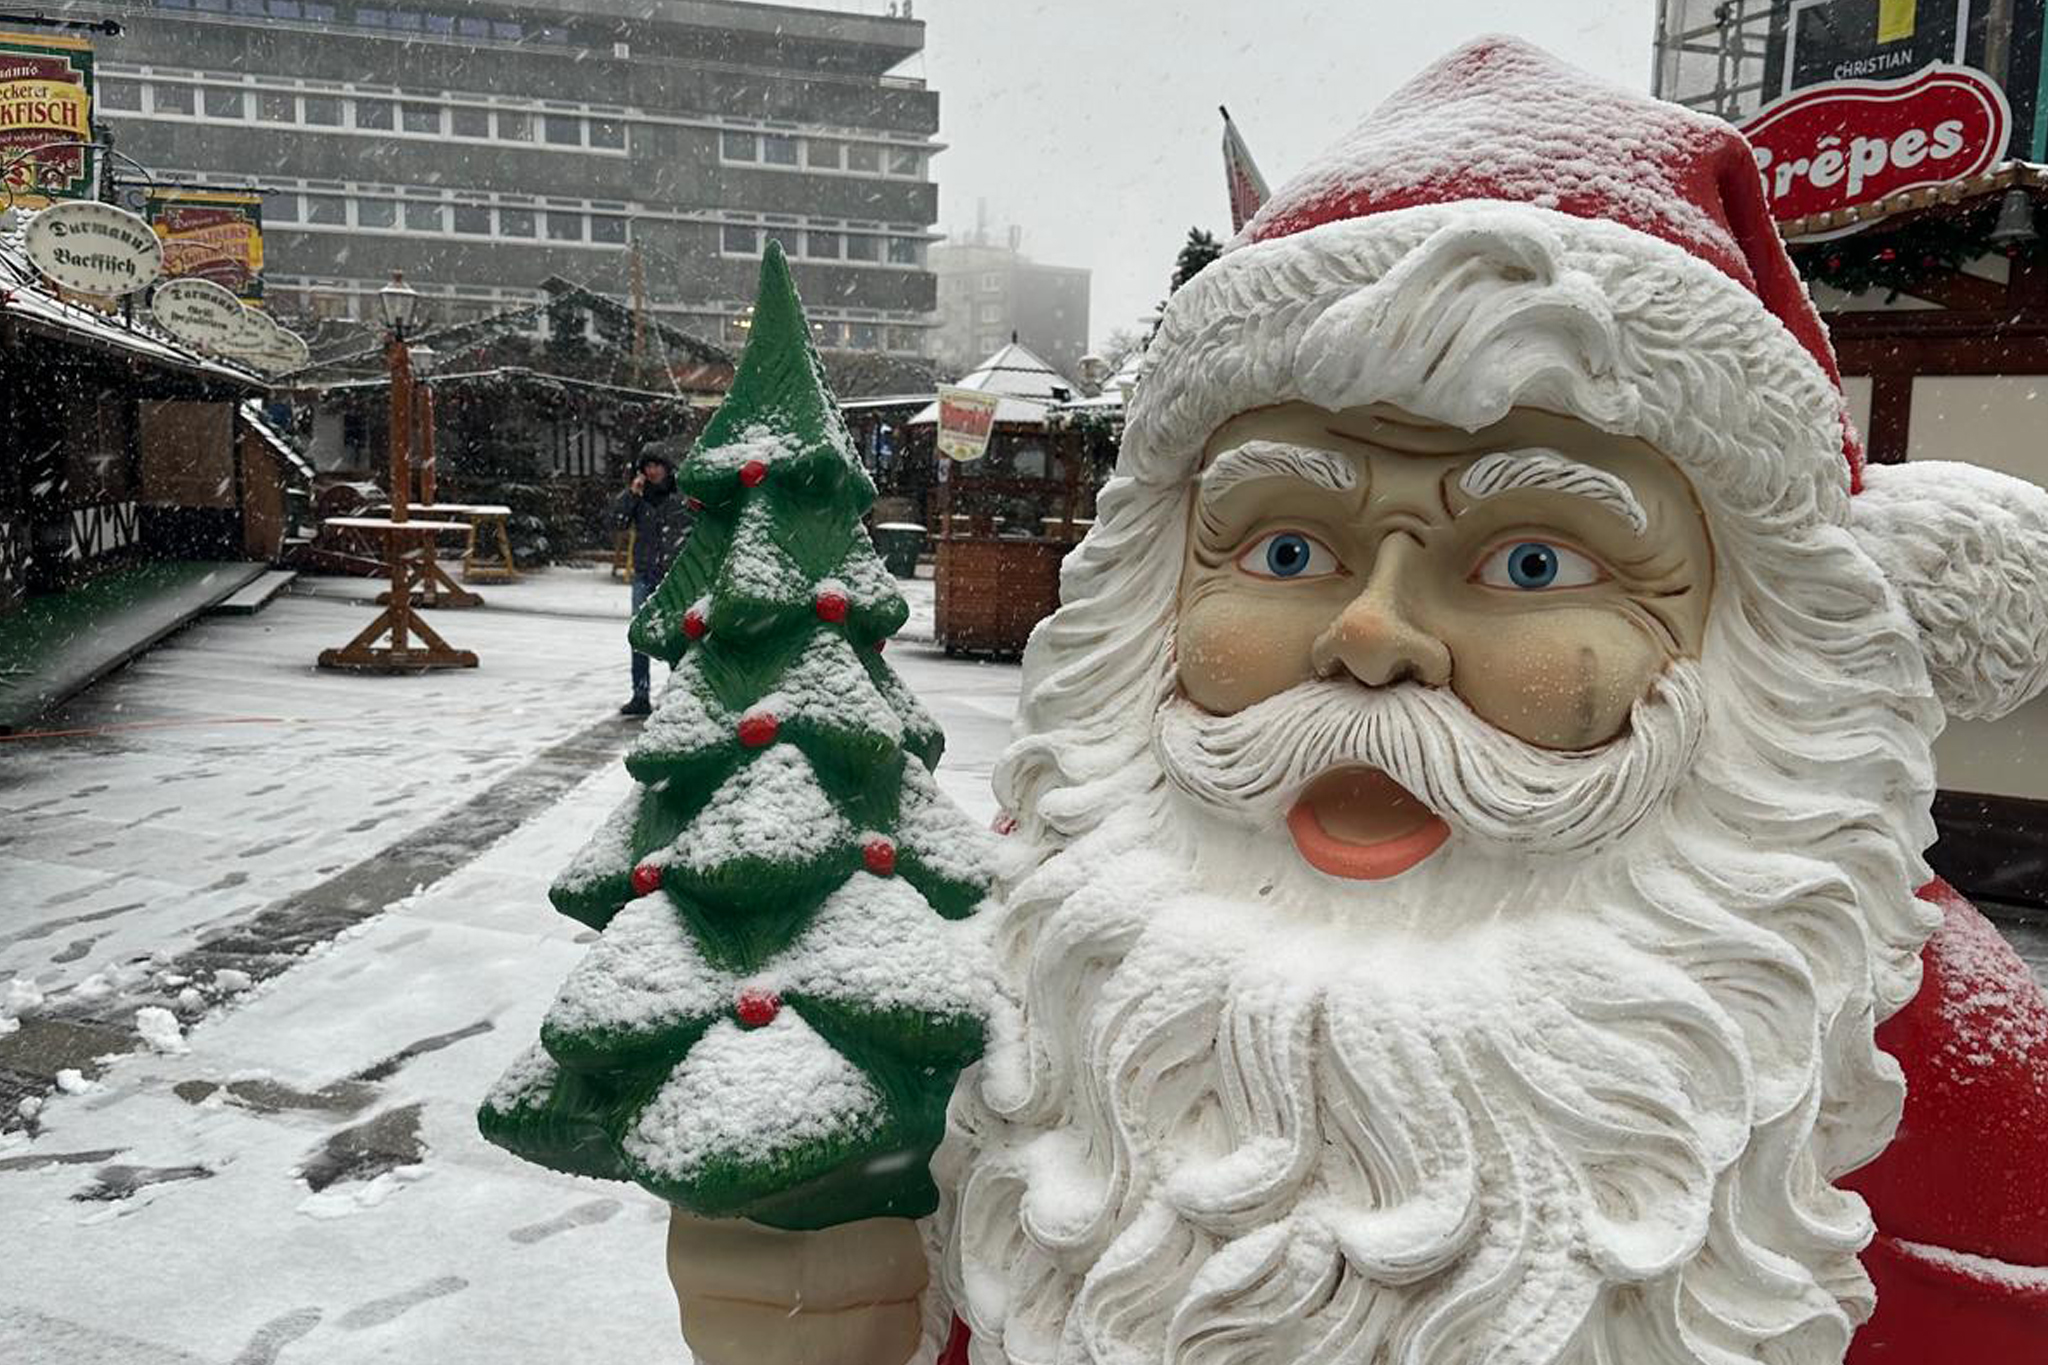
1002	523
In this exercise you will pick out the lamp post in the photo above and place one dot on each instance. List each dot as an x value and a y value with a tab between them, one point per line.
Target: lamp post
397	641
398	303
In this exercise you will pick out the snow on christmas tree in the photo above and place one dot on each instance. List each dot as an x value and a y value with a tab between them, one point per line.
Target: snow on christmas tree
786	985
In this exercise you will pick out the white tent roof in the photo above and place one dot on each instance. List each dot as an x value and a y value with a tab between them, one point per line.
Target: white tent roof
1027	385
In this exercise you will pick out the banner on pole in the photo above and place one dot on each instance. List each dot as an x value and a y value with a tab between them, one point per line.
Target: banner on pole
45	97
211	235
1240	176
966	416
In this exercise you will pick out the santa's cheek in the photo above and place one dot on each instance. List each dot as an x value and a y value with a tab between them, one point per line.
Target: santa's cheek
1561	679
1232	650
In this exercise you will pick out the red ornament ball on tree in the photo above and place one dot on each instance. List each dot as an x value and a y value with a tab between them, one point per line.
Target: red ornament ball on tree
831	606
1887	255
758	730
694	624
694	504
752	472
646	879
881	645
755	1008
880	857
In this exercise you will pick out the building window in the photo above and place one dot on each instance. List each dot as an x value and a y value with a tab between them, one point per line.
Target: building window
904	251
372	18
609	133
322	111
864	335
515	222
373	114
741	240
330	209
564	227
991	312
821	154
284	9
320	14
440	23
506	32
904	161
606	230
405	19
377	213
562	130
467	122
778	150
823	245
275	106
421	118
736	146
861	247
223	103
254	7
425	216
515	127
864	157
121	95
991	283
472	220
171	99
474	28
280	206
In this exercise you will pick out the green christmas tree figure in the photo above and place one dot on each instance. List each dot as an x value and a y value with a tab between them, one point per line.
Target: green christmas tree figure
786	985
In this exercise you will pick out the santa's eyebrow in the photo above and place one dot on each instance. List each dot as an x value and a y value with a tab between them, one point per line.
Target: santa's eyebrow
1277	460
1554	473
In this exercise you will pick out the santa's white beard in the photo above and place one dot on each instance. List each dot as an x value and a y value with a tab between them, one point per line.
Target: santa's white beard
1541	1099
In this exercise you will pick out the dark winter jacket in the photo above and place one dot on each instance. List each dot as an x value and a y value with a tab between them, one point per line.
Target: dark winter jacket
660	520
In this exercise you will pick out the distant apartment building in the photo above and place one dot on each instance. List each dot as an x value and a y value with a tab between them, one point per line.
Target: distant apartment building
990	294
484	147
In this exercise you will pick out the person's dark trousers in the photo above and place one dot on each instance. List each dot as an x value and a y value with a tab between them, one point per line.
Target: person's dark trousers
643	588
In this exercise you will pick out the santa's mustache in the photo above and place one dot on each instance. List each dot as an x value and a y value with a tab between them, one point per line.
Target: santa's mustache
1251	766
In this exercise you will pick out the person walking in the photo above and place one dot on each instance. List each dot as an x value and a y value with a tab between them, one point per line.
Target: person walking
660	521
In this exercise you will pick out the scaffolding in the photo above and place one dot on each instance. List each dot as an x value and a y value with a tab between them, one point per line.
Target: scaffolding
1718	55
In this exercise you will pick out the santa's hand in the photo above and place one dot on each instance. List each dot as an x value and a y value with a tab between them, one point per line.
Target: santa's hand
753	1295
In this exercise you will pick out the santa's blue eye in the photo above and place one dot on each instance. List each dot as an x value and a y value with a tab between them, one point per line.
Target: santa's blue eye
1537	565
1532	565
1288	554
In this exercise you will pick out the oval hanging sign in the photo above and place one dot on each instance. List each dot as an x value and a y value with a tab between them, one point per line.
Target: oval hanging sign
197	312
94	248
290	351
252	335
1830	147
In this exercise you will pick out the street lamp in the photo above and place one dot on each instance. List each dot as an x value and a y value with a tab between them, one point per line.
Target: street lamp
397	303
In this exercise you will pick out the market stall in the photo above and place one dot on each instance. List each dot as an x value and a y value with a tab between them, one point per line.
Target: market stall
1010	502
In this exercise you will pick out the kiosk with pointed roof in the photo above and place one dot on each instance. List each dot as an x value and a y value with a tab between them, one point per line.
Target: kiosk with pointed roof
787	982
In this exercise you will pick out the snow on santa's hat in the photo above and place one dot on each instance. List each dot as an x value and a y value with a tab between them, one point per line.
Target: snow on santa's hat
1600	189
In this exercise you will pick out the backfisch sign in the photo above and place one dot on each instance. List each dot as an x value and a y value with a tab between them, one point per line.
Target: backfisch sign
45	97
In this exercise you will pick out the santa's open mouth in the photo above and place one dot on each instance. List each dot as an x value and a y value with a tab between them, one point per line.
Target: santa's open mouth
1358	822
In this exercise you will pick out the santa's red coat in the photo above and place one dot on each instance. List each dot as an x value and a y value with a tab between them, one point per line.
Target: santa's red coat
1961	1195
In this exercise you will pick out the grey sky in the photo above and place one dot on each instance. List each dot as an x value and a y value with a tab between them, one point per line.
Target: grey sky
1092	124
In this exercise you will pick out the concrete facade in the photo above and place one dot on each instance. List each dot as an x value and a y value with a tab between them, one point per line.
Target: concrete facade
484	147
989	295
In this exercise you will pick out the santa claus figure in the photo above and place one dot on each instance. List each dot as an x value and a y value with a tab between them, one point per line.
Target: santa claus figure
1469	814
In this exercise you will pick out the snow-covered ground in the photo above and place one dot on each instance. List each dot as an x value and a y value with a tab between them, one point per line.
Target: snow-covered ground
287	1168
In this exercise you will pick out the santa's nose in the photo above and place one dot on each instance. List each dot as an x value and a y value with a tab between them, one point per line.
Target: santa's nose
1376	638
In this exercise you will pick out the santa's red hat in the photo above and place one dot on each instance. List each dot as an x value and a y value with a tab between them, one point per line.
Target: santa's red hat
1506	169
